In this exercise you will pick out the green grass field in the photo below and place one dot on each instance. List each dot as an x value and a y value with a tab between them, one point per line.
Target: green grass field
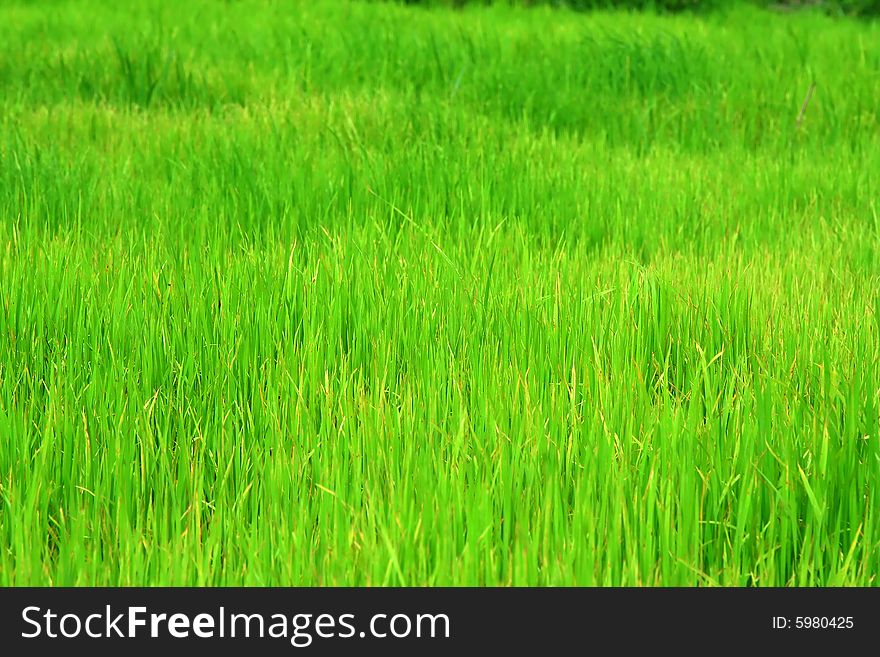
349	293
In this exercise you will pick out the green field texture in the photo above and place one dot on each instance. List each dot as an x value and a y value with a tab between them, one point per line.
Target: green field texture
354	293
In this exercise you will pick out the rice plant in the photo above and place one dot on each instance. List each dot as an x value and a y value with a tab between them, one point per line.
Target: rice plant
349	293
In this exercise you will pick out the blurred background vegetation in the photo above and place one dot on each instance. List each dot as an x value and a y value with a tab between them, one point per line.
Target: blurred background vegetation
840	7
